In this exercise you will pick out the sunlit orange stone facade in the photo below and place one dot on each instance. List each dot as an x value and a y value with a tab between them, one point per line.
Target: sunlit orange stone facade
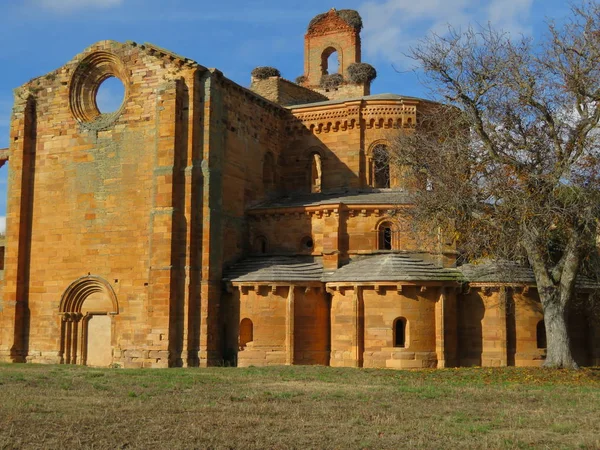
204	223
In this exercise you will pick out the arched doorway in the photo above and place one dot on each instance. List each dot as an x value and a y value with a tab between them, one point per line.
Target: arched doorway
86	310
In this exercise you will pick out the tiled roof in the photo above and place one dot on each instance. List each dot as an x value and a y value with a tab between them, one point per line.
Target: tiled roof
497	272
370	197
510	272
380	267
392	267
276	268
366	97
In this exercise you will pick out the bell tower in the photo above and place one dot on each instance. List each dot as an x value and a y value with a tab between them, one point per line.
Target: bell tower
330	36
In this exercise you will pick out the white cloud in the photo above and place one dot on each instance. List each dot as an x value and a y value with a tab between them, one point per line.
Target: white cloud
71	5
509	15
393	26
2	224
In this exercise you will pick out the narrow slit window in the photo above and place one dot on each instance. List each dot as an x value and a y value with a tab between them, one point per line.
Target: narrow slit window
541	334
400	332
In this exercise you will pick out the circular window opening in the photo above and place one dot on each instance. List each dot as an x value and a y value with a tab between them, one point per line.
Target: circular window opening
97	90
110	95
307	243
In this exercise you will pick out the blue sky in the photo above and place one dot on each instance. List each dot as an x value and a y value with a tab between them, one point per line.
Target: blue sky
235	36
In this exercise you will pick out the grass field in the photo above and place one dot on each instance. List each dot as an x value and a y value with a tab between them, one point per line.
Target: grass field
297	407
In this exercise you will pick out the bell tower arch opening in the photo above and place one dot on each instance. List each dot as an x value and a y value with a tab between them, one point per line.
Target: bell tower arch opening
330	61
86	309
332	45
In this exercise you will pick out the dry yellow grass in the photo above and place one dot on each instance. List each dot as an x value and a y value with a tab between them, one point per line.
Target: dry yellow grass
297	407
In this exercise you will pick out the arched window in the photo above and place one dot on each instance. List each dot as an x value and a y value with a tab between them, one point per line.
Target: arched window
541	334
316	173
330	62
260	245
385	236
400	332
246	333
269	171
380	167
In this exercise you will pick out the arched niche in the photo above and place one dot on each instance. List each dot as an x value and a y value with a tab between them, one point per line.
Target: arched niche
246	333
86	309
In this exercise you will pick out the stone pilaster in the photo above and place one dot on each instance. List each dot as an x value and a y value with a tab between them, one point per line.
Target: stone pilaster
440	328
289	327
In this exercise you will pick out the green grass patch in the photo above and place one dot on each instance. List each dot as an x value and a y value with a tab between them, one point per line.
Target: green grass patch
298	407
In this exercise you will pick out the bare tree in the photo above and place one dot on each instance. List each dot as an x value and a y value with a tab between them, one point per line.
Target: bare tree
512	156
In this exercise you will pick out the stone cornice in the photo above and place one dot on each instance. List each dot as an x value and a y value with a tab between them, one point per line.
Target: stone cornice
398	286
373	113
327	210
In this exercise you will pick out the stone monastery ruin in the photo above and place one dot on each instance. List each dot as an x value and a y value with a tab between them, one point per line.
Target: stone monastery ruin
205	223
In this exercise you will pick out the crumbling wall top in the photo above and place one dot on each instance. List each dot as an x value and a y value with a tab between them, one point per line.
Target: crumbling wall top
349	16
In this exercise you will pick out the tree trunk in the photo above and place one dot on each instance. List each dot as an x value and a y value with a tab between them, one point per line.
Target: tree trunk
556	315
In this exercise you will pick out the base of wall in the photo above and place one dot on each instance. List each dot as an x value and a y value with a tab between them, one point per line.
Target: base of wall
257	356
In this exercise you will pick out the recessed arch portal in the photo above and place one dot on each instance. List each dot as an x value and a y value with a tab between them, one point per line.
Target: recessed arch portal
86	309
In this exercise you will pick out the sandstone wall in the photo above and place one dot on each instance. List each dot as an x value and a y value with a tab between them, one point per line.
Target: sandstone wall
249	129
284	92
267	310
362	327
351	230
344	134
98	196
